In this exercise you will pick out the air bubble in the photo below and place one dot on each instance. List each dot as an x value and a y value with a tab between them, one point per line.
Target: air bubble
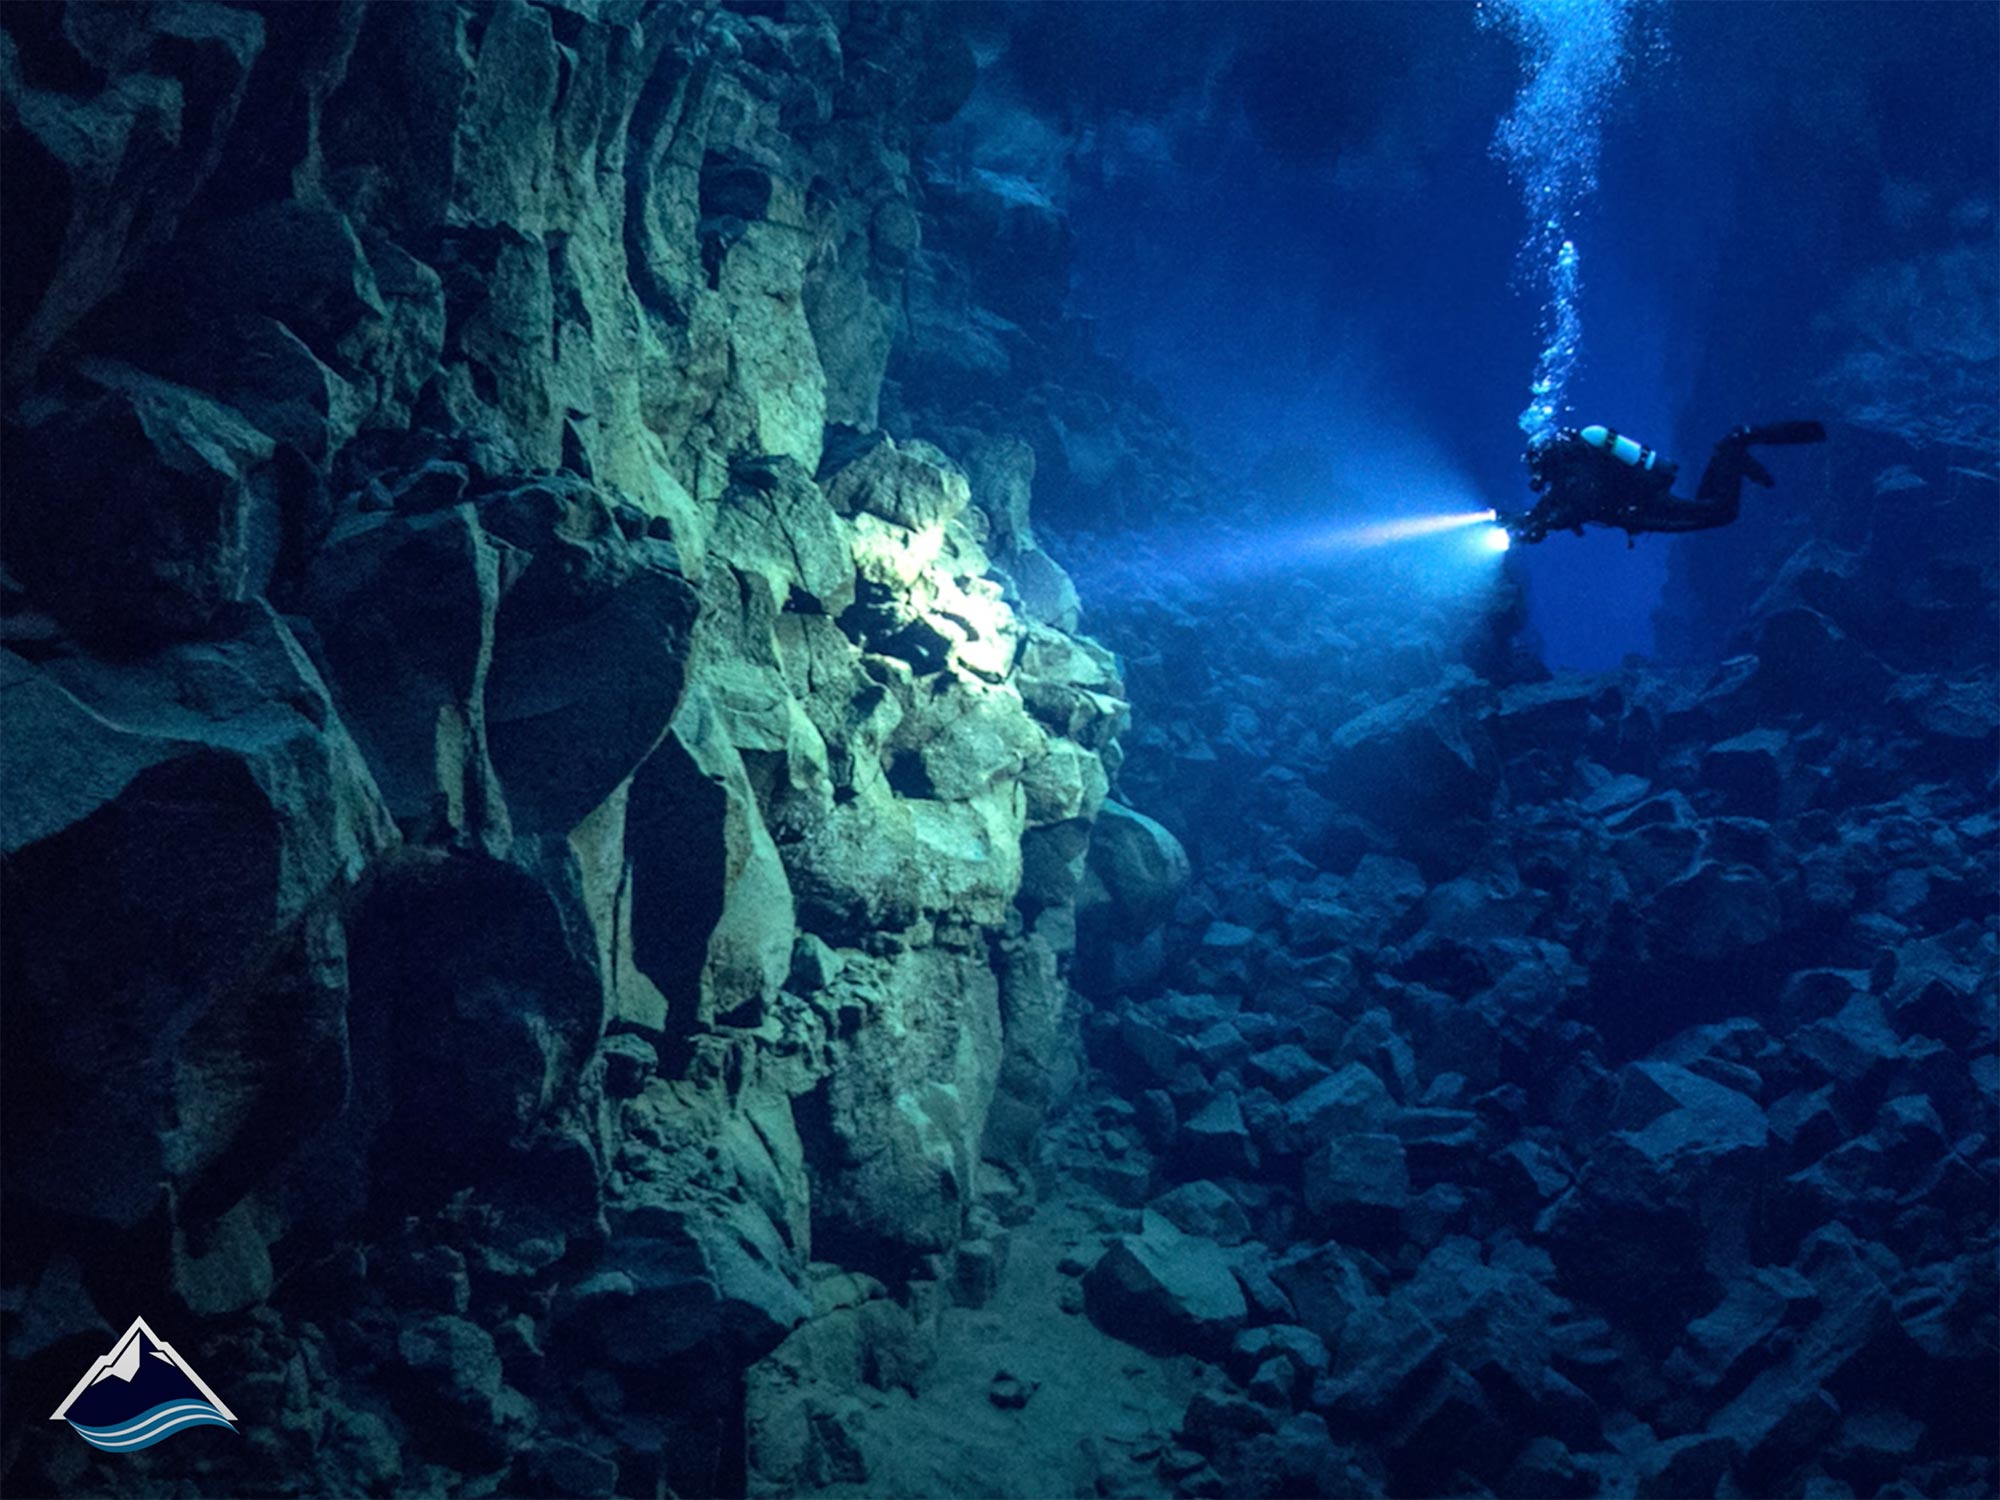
1572	60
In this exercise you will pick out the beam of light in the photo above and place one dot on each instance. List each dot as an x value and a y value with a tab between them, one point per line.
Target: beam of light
1392	523
1381	533
1497	539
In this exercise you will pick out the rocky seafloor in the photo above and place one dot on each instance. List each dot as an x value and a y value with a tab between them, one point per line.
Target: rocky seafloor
589	911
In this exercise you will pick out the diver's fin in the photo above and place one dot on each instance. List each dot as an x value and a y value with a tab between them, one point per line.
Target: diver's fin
1784	432
1755	471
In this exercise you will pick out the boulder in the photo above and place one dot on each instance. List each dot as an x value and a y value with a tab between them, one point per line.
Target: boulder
1804	659
403	608
688	1281
1286	1070
1062	781
1808	1125
1357	1186
968	739
1667	1198
1140	868
1749	770
1166	1291
1878	1444
1713	912
1040	1059
110	154
912	484
1956	713
1300	1348
1382	889
300	262
1205	1210
1441	1145
1933	988
564	738
456	1362
1530	1173
1000	474
478	998
138	511
1669	1116
1351	1101
1851	1047
1418	763
1734	1340
1539	714
707	907
892	1136
1215	1139
774	523
1451	1427
1694	1463
209	794
1047	593
1386	1364
1547	1467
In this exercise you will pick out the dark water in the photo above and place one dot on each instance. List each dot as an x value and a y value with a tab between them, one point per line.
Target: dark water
1291	217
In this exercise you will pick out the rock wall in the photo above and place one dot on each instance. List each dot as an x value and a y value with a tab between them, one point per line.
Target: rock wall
545	837
1905	359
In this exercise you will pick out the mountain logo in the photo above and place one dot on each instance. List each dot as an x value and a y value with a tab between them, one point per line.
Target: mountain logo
138	1394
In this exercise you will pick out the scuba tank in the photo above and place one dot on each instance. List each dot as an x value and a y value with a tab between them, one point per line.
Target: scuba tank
1633	455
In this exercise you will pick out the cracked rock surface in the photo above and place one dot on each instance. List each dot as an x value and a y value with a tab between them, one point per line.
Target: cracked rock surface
543	831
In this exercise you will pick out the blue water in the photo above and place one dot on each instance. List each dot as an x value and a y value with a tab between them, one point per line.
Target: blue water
1325	225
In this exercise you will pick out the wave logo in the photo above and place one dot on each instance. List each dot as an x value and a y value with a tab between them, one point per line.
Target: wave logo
139	1394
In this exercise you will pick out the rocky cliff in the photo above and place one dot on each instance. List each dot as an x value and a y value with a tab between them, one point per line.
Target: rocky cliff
544	835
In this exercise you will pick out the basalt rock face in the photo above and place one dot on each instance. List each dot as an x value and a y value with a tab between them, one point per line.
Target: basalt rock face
1905	357
542	835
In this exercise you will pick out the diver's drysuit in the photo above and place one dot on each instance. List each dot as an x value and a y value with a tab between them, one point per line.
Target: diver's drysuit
1594	476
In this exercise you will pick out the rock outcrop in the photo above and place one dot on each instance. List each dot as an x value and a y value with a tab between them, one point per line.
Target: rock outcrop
542	829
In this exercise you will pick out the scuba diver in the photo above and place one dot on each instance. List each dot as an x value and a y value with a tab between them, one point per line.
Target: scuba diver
1597	477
